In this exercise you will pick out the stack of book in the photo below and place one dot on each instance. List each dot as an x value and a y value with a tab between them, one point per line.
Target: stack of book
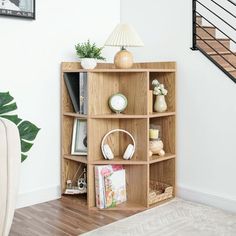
110	185
76	84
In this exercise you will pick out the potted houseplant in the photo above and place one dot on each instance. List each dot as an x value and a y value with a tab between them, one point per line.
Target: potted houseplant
160	92
89	53
16	139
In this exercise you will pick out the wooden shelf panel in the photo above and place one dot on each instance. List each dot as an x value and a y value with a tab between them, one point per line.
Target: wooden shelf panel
124	206
119	161
82	159
156	158
121	70
77	115
117	116
161	202
156	114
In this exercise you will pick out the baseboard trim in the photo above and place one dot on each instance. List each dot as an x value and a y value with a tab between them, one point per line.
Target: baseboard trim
38	196
207	199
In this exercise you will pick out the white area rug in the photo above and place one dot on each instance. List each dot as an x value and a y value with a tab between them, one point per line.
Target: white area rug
178	217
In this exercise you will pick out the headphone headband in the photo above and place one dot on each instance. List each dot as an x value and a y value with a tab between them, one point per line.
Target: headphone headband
114	131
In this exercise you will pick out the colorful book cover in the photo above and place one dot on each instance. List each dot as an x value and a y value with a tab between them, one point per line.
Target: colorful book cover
115	188
110	185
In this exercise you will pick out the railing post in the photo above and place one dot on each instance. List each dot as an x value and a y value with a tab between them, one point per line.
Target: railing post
194	29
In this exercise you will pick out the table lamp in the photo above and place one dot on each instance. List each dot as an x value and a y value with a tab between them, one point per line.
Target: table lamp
124	35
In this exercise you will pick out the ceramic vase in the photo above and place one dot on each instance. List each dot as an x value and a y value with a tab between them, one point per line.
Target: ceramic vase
10	158
88	63
160	104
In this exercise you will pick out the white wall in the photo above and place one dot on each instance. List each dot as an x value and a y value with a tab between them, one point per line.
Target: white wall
206	101
30	56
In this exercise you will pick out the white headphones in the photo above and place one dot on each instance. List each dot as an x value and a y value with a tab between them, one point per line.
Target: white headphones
107	152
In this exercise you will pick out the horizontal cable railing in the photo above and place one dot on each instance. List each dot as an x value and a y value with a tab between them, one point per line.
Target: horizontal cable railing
232	2
216	15
226	35
223	8
218	48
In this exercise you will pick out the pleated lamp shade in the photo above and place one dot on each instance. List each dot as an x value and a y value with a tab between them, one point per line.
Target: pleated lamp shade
124	35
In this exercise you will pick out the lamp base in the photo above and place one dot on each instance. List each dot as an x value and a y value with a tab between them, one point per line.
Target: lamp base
123	59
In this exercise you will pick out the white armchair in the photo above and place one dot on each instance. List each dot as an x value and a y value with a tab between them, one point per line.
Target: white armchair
10	157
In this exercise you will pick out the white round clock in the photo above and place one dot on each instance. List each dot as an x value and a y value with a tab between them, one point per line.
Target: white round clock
118	102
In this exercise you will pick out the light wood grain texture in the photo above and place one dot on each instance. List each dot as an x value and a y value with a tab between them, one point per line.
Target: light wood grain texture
136	187
68	216
138	129
101	87
82	159
156	158
168	79
134	87
163	172
167	133
135	84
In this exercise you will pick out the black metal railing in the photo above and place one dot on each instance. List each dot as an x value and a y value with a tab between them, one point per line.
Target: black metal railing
198	38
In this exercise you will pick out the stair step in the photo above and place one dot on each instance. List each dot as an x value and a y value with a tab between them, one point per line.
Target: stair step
233	73
222	53
199	20
230	57
215	44
203	34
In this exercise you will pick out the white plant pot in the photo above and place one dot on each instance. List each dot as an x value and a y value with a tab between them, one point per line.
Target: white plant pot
10	158
160	104
88	63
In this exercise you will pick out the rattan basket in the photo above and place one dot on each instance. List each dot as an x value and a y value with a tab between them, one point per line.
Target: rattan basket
159	192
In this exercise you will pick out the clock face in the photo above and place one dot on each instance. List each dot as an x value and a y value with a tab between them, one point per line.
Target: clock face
118	102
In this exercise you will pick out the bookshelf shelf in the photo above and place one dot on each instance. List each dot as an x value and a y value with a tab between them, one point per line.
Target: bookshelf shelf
118	116
119	160
153	115
135	84
82	159
77	115
156	158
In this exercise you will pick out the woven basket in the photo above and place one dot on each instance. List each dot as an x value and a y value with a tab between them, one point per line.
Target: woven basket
159	192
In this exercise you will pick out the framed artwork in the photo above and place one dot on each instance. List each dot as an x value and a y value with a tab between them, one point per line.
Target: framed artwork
18	8
79	137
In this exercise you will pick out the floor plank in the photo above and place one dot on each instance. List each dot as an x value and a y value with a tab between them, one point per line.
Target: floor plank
64	217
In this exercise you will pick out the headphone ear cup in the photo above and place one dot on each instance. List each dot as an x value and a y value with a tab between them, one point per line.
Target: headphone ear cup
128	152
108	152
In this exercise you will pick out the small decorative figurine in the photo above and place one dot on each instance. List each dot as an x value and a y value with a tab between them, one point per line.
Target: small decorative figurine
155	144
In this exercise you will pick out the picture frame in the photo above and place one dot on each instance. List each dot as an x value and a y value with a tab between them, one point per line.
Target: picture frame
18	8
79	137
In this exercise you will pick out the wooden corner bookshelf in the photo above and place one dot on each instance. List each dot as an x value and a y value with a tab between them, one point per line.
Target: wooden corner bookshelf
135	84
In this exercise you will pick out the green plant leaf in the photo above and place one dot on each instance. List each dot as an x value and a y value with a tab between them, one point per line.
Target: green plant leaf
88	50
28	131
14	118
23	157
5	98
25	146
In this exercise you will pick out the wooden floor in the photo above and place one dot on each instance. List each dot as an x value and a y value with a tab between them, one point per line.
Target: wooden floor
66	216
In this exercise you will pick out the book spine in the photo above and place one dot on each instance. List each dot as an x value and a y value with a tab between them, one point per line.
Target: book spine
99	187
81	92
85	93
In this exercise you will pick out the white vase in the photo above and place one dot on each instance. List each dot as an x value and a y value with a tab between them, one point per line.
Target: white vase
88	63
160	104
10	156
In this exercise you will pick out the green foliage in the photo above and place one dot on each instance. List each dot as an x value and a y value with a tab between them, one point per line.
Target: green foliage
88	50
27	130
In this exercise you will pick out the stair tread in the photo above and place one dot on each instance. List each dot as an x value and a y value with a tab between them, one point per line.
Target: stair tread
221	53
212	39
208	27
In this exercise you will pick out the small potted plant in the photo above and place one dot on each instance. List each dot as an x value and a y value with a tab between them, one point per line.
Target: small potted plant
89	53
160	92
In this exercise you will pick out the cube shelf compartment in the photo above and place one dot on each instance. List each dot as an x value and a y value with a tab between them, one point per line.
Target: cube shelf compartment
135	84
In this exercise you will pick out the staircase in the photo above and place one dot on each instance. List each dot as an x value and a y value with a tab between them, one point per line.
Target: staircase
220	50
